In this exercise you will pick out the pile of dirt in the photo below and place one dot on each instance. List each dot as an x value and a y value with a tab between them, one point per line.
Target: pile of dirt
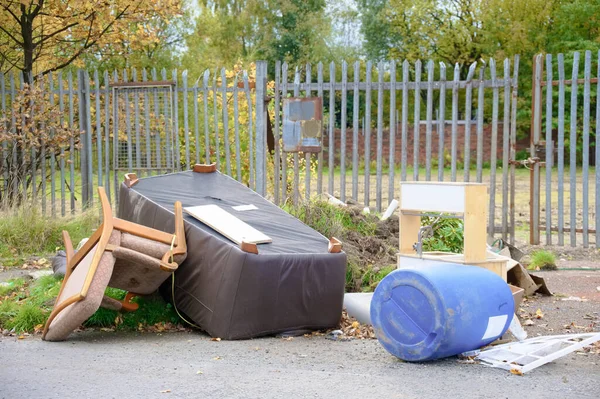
378	250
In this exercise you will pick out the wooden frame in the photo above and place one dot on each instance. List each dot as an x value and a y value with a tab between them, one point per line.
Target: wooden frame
203	168
335	246
99	241
467	201
131	179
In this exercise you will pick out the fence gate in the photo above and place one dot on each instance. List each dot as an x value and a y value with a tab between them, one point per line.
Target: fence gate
144	138
564	115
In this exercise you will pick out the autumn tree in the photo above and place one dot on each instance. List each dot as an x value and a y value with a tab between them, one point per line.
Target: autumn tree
41	36
231	30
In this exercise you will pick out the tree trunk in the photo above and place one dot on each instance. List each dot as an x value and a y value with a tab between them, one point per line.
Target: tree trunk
28	45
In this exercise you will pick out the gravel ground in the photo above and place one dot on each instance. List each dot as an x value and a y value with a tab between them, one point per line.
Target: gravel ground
118	365
183	365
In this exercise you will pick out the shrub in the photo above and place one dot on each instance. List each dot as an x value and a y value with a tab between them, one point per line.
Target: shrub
544	260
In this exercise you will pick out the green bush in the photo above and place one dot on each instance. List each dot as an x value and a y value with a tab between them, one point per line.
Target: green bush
448	234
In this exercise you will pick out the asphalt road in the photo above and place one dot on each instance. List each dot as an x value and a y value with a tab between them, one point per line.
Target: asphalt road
189	365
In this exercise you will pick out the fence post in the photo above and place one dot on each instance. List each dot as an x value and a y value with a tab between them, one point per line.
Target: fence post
536	126
86	142
261	131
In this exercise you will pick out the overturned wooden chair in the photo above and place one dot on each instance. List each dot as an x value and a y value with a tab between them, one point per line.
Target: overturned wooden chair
120	254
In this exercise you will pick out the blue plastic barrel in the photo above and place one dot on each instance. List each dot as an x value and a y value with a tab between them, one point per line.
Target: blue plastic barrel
440	310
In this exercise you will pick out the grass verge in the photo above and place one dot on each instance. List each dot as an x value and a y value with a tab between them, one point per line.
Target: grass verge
26	305
24	232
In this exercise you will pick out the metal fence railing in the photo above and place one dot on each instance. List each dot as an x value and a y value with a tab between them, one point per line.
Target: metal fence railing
382	123
565	140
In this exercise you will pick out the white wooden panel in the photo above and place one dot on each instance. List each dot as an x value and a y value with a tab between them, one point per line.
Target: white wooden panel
227	224
432	197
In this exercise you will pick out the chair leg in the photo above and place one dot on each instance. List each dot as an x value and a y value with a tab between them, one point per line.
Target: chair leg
128	306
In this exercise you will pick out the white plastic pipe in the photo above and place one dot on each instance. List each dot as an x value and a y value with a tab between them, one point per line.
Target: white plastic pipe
390	210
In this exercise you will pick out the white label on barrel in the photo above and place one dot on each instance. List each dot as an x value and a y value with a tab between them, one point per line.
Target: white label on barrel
495	326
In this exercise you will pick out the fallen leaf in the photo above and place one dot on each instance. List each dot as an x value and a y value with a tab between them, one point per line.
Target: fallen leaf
529	322
288	338
355	324
516	372
21	337
199	372
539	314
216	339
217	358
165	391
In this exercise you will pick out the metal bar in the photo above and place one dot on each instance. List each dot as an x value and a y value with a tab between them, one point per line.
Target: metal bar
277	138
43	149
331	149
33	131
154	82
52	154
175	133
186	131
343	131
568	82
480	110
468	108
296	155
573	150
284	155
88	124
586	147
196	124
320	154
128	126
216	125
392	144
261	127
250	126
13	124
168	110
107	165
238	155
367	133
505	149
549	157
494	153
429	118
136	110
157	131
98	127
147	122
380	73
225	121
405	70
513	141
442	123
597	158
417	121
307	155
421	85
453	144
116	121
566	229
4	163
561	149
71	144
206	116
355	129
